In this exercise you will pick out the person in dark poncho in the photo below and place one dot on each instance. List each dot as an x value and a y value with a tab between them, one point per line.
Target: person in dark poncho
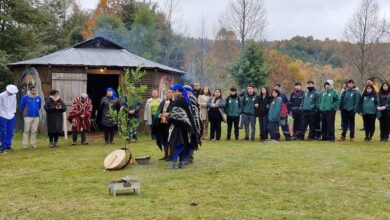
161	125
183	137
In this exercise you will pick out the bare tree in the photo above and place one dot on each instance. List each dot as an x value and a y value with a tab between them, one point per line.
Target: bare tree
246	18
365	33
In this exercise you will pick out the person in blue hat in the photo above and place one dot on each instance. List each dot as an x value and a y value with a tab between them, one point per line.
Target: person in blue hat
183	135
111	99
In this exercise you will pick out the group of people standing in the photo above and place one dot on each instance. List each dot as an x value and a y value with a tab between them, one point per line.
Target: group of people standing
311	110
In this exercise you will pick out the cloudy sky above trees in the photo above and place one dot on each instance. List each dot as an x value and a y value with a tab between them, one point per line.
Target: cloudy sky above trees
285	19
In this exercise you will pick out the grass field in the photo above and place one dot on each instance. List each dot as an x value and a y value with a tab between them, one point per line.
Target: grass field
229	180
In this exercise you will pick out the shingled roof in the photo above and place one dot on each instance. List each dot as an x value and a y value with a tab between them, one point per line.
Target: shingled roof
96	52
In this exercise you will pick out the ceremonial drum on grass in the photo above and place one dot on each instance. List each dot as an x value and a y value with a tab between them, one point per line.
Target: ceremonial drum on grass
118	159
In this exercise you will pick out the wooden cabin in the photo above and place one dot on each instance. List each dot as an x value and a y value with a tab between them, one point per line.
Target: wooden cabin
89	67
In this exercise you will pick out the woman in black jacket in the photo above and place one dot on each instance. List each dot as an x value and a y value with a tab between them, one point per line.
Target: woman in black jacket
384	118
109	101
261	108
54	108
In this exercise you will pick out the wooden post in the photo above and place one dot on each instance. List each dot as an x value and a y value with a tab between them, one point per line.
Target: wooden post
65	125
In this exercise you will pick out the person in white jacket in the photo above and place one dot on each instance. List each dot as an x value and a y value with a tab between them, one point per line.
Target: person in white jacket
151	108
7	117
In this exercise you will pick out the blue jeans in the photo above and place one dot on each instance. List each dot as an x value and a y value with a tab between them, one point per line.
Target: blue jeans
7	127
273	128
249	120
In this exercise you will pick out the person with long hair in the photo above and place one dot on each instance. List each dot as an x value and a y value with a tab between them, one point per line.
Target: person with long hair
262	103
368	109
203	98
383	111
161	125
216	114
274	115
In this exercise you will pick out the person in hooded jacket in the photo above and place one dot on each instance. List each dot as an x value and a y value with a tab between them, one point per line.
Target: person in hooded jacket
262	103
328	105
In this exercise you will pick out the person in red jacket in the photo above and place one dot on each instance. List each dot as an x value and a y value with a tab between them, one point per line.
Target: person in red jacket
80	117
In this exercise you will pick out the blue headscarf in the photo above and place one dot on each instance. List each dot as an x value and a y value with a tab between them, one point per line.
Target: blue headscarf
179	87
114	95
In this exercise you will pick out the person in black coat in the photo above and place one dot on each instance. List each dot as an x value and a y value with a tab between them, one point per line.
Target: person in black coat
110	100
161	125
54	108
262	103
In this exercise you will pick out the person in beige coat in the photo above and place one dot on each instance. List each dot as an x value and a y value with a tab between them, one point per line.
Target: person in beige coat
151	108
203	98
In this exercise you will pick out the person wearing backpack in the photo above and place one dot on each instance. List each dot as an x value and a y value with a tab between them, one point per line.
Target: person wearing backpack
248	112
368	109
296	98
328	105
309	108
274	113
233	111
349	106
284	120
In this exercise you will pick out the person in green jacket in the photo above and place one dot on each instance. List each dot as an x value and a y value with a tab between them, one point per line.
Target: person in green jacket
233	111
248	112
328	105
368	109
349	106
274	115
309	108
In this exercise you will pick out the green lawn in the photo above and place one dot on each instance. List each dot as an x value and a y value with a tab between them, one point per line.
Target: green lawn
229	180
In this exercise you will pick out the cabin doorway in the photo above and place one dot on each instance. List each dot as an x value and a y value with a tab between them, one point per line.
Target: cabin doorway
96	89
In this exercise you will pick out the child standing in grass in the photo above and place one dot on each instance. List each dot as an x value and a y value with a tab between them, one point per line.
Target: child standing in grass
368	109
274	115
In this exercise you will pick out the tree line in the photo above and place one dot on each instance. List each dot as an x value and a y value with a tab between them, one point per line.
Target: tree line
238	54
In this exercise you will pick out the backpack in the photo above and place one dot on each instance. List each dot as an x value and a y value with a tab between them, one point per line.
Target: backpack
284	110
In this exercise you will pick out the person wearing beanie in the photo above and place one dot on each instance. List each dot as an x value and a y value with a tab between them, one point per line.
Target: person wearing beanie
248	112
328	105
80	118
7	117
349	106
233	111
309	107
30	105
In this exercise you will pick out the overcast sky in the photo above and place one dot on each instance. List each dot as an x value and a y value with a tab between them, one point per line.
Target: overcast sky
285	18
